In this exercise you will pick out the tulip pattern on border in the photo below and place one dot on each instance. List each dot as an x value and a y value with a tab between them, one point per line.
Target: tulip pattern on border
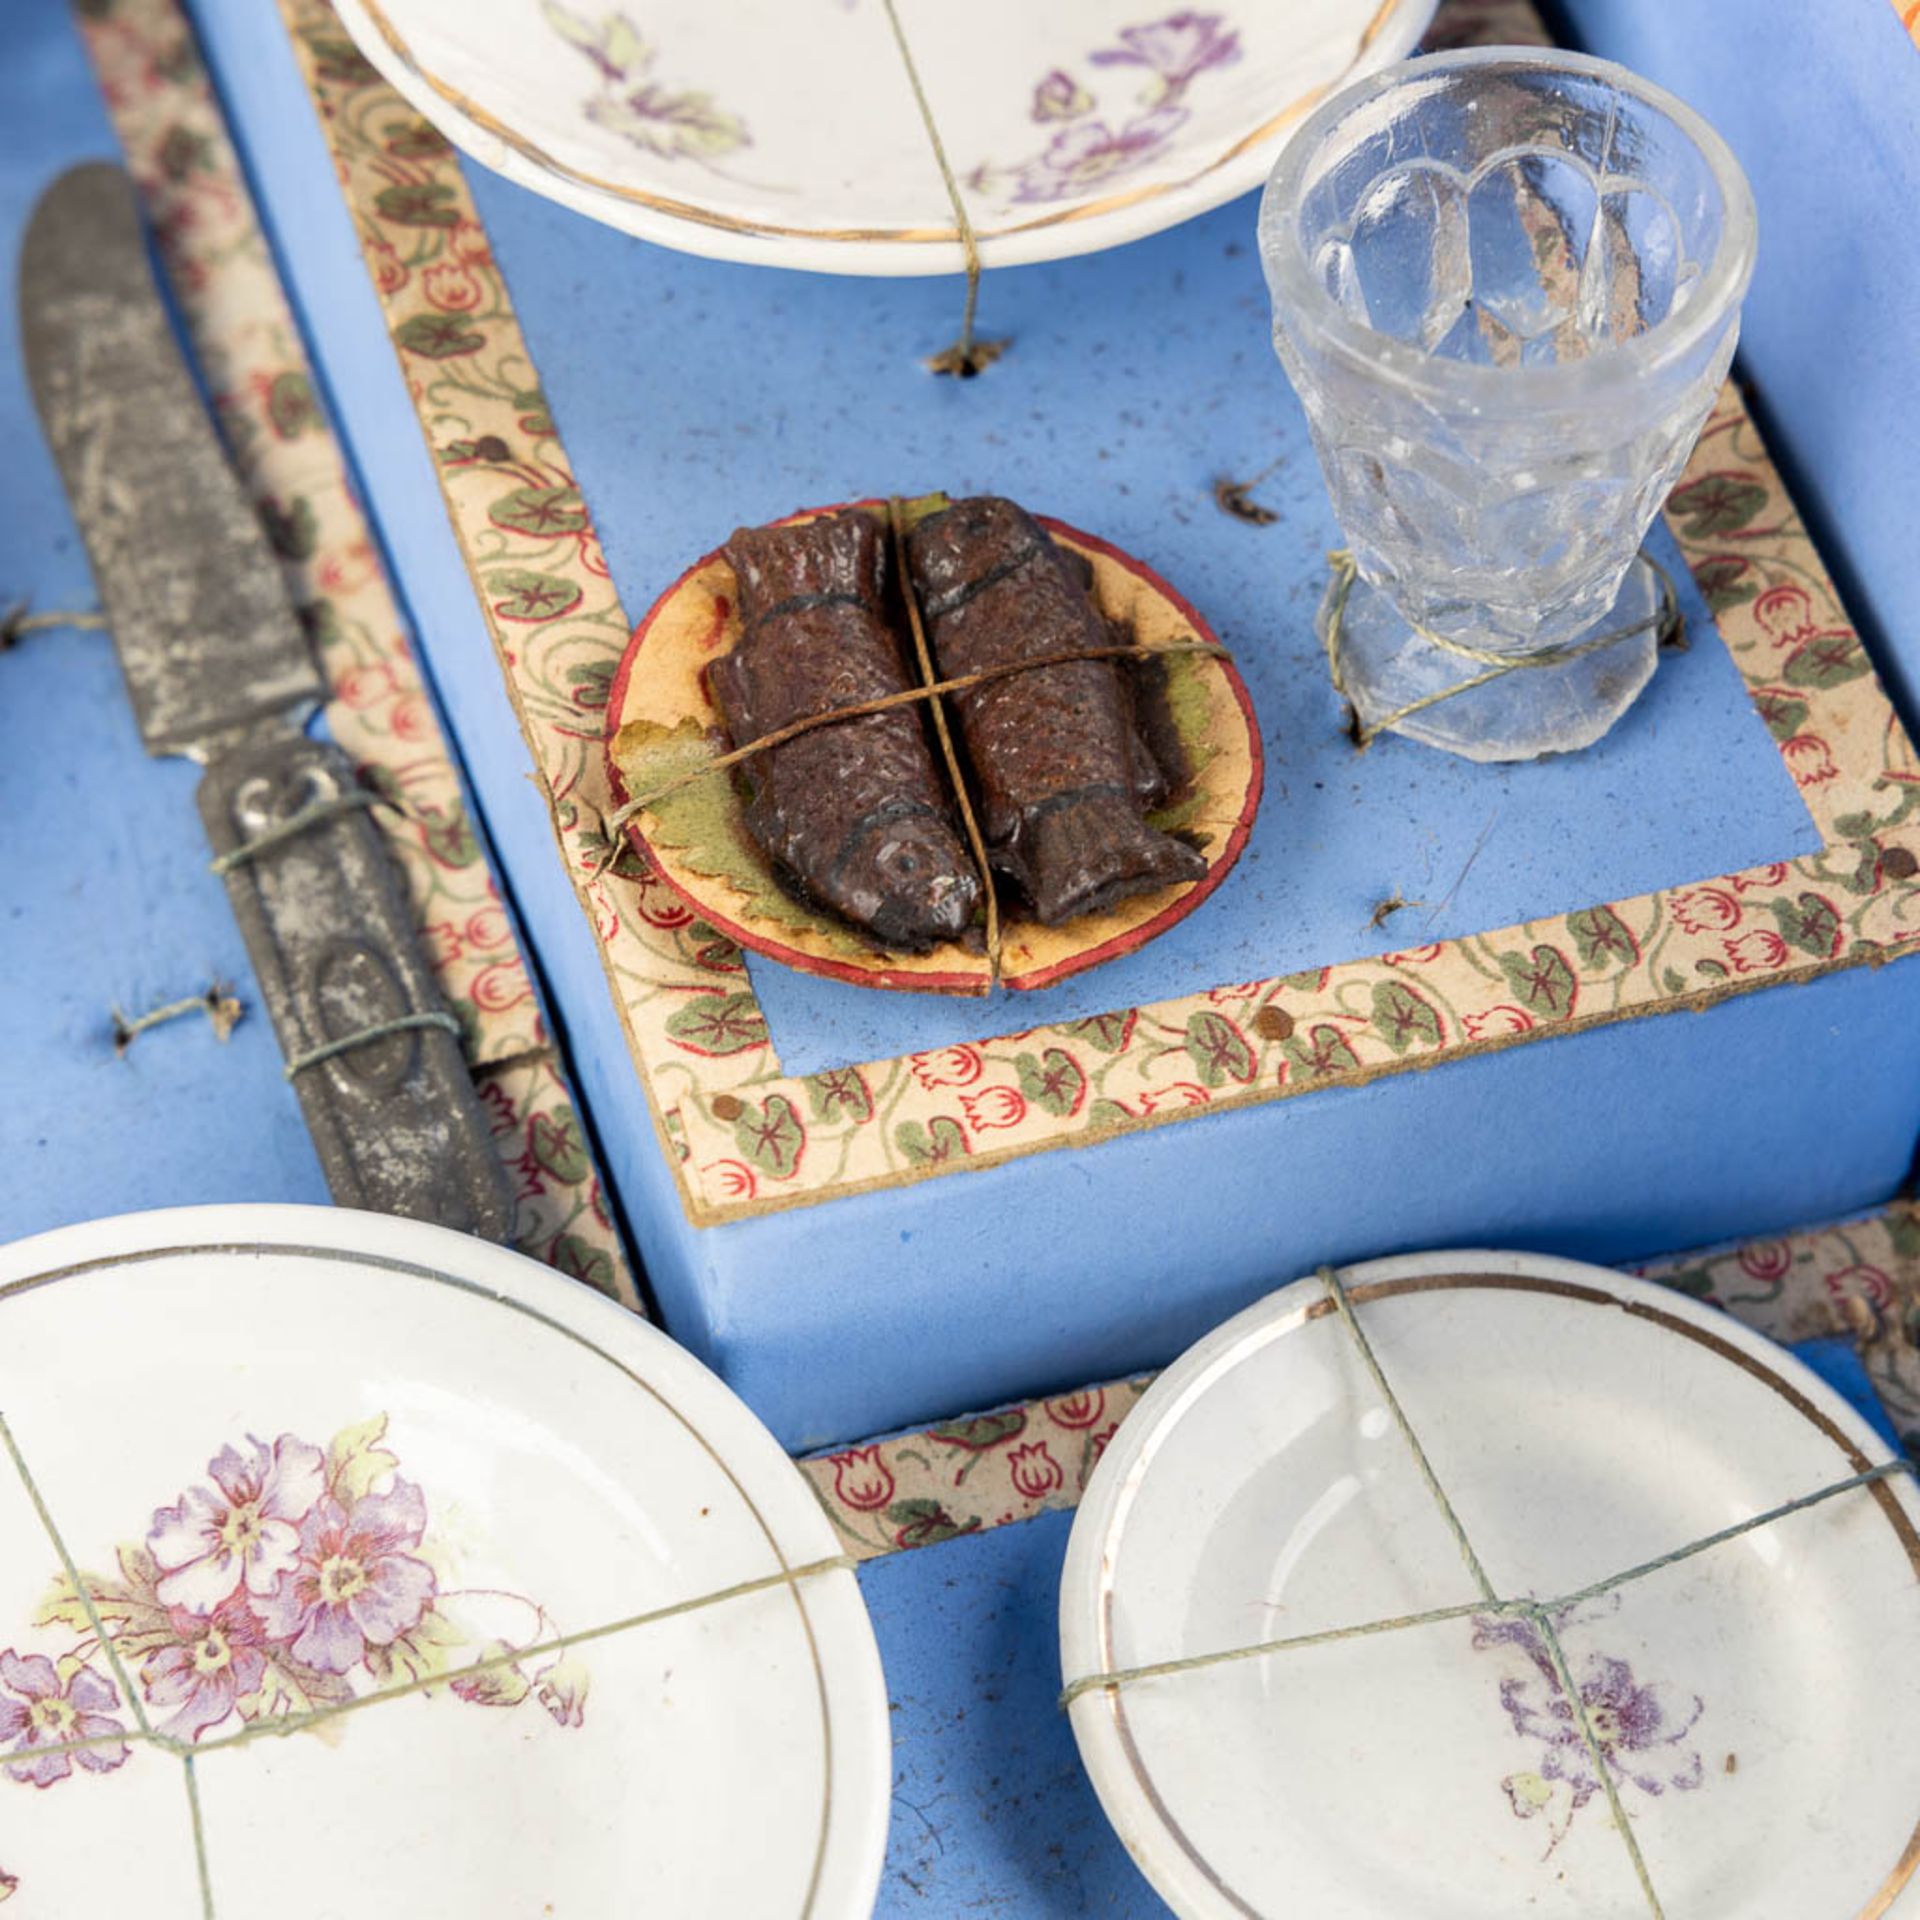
744	1137
1859	1279
249	348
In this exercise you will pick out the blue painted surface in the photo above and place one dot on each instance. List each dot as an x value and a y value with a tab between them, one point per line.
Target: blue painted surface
1822	105
992	1811
692	395
105	897
1837	1361
992	1814
847	1318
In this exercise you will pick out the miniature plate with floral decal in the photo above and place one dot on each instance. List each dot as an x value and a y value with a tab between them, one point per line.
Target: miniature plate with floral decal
789	134
1751	1706
662	722
343	1569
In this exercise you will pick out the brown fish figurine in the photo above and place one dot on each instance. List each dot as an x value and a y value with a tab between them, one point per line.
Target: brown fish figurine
856	814
1064	776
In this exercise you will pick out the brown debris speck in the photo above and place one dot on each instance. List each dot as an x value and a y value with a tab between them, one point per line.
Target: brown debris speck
1273	1023
1235	497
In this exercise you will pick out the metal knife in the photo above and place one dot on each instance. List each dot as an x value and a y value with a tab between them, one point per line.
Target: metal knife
220	671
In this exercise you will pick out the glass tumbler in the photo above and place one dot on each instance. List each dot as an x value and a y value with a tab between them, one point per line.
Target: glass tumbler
1506	286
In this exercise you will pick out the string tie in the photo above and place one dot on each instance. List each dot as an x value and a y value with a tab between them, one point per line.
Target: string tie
1666	620
366	1036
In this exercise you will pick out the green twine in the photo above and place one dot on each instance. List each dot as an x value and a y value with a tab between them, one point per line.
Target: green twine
354	800
1665	620
967	356
365	1037
1539	1613
1331	1281
16	623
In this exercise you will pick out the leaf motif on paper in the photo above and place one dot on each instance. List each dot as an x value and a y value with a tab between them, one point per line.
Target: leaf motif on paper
1542	981
717	1024
439	336
940	1141
1602	939
557	1144
1218	1049
540	512
1109	1032
1403	1020
1716	504
771	1135
1052	1080
417	204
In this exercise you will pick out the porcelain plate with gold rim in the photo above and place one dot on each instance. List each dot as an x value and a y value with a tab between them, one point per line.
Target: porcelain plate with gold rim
349	1565
1747	1709
791	133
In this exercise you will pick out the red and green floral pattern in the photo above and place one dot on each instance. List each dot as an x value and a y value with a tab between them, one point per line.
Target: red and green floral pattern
1860	1279
249	349
746	1137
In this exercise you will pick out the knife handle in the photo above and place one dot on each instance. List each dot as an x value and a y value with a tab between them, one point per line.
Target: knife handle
328	928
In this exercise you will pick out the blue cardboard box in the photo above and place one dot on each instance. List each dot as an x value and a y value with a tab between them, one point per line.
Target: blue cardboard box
1593	1100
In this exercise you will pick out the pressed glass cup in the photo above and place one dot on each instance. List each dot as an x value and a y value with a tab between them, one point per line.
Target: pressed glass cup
1506	286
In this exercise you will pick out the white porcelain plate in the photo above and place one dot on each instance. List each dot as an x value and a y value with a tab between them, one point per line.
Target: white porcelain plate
786	131
1757	1705
322	1542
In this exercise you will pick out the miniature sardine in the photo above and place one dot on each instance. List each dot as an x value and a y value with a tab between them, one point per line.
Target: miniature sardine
1063	773
855	814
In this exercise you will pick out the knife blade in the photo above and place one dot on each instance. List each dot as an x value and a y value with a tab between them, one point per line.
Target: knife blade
218	669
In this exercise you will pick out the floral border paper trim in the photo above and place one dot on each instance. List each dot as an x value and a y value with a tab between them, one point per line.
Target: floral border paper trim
1860	1279
743	1136
249	349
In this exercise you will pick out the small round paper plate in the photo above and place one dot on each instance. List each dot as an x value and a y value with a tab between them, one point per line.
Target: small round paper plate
662	722
1755	1703
361	1514
787	132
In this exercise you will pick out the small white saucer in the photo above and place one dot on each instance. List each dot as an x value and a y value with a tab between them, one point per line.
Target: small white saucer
1756	1703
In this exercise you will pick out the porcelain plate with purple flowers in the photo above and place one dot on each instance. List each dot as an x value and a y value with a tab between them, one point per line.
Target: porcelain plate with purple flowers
788	131
1541	1662
349	1565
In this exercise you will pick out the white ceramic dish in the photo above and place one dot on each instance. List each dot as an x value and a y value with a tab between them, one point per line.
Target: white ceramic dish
305	1458
1758	1702
787	132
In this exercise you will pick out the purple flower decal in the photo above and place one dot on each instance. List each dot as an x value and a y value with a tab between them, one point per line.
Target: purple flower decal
355	1584
1641	1729
1177	49
214	1662
1060	97
562	1690
294	1584
672	124
1086	152
49	1712
1081	156
241	1530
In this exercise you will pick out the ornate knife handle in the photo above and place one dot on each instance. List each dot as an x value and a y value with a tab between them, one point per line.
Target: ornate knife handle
332	942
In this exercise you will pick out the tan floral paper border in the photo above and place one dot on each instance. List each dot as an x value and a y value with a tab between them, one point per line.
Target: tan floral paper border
1860	1279
747	1138
249	349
